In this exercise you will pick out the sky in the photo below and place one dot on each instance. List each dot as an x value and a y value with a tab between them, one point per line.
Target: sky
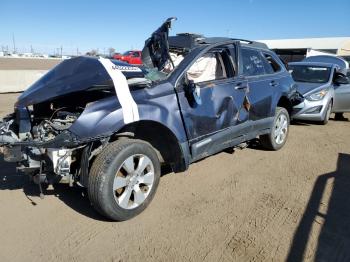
80	26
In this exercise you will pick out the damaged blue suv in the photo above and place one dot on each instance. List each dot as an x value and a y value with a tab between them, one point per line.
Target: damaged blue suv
109	126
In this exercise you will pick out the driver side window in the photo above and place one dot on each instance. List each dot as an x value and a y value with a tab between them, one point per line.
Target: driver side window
209	67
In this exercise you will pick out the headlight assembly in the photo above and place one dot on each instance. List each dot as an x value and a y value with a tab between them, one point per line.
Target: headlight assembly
318	95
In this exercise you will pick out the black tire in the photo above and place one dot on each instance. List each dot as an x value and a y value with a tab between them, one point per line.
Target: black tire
327	114
104	171
268	141
339	116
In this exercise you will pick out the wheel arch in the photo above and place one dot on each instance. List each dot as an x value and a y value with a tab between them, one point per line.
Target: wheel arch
165	142
285	103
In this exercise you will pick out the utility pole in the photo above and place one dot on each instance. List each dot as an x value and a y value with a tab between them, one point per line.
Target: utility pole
61	51
14	43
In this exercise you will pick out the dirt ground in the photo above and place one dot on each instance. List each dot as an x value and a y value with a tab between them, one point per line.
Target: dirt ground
27	63
252	205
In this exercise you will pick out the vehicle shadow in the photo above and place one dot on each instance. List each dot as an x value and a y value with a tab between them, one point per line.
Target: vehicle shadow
345	119
334	239
75	197
302	123
255	144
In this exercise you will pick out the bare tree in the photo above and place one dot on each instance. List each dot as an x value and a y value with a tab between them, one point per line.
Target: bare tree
93	52
111	51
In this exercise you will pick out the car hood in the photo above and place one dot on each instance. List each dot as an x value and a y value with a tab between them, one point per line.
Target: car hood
342	64
72	75
304	88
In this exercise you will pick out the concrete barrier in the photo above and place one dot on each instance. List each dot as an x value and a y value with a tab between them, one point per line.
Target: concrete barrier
17	74
18	80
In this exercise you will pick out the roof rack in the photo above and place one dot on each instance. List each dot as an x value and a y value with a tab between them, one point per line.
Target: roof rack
186	41
253	43
212	40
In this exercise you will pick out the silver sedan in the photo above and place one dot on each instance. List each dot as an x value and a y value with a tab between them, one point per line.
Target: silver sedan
324	88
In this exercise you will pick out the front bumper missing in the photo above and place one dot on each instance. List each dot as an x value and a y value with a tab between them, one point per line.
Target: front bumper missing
311	110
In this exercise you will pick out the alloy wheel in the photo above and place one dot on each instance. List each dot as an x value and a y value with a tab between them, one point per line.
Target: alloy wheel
133	181
281	129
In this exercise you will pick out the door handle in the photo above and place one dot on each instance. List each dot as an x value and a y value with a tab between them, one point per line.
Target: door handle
240	86
274	83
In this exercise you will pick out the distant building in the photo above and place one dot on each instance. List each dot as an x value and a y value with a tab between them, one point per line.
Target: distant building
297	49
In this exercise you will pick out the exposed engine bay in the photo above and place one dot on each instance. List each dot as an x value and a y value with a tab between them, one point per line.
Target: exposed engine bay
38	138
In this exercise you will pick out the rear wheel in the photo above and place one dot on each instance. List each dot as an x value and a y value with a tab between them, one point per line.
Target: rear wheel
339	116
277	137
124	179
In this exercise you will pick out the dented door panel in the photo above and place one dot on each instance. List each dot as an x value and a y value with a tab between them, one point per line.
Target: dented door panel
260	98
222	107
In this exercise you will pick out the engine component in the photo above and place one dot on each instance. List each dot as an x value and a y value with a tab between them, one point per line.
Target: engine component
12	154
48	129
61	160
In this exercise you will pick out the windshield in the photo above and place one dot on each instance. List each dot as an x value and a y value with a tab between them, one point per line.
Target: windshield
154	75
127	53
310	74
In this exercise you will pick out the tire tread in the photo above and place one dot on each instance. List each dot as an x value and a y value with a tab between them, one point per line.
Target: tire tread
98	174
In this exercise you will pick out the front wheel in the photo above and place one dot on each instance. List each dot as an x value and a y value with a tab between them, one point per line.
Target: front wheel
277	137
327	114
123	179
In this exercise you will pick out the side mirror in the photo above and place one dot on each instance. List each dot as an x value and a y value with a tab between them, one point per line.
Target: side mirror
341	80
192	93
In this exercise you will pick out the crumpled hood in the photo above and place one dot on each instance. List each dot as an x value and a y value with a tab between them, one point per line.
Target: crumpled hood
304	88
72	75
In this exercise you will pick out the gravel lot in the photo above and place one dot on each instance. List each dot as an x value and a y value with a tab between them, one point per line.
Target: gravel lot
27	63
252	205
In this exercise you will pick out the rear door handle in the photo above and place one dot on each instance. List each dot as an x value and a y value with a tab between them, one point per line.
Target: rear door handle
274	83
241	86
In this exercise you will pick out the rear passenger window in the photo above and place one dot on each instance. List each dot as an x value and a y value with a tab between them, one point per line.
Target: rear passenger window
252	62
270	64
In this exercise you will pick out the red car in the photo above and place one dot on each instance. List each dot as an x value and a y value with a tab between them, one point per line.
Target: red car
132	57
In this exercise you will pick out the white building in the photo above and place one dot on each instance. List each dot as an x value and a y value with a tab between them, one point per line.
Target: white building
297	49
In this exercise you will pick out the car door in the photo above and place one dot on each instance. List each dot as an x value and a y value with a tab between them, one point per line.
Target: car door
261	85
342	97
218	118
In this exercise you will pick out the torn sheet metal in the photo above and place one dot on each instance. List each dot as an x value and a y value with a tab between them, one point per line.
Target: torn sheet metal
129	107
